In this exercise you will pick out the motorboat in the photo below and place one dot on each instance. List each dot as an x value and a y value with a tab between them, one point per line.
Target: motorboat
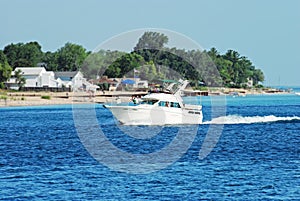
161	108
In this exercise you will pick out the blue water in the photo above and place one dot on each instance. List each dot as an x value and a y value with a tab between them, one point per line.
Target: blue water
257	156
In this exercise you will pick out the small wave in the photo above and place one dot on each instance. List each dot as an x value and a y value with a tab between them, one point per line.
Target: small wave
236	119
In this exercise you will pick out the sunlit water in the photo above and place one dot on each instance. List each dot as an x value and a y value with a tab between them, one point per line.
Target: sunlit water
256	157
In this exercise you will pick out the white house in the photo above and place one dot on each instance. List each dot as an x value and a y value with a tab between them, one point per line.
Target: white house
72	79
35	77
12	84
249	82
39	77
48	79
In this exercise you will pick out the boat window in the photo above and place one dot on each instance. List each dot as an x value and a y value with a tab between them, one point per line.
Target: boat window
169	104
162	103
149	102
174	104
153	102
197	113
191	112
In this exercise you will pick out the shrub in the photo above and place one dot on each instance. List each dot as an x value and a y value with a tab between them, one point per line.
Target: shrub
201	88
46	97
3	97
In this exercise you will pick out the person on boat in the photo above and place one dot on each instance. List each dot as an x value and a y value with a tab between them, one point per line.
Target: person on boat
134	100
167	104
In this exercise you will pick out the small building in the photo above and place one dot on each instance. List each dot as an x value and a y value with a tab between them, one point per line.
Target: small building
12	84
105	84
34	76
73	79
141	84
37	78
135	83
48	80
249	82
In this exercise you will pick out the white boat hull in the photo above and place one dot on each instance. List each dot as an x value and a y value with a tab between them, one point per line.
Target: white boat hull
149	115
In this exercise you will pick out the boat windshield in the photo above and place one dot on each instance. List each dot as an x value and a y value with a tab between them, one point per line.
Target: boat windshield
149	102
168	104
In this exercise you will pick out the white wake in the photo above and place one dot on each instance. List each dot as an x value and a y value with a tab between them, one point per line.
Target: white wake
236	119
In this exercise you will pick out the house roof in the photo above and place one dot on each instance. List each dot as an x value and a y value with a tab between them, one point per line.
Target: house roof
66	74
104	80
31	70
49	73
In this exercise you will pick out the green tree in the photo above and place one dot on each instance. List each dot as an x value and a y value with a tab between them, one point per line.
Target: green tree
98	63
258	76
230	69
151	40
223	66
245	70
23	55
150	57
22	63
20	80
125	65
32	52
213	53
50	59
12	52
5	69
233	70
70	57
147	72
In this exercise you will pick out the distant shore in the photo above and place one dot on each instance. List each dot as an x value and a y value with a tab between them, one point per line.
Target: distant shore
10	99
59	98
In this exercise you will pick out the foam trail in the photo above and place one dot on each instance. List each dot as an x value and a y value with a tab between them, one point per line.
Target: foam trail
236	119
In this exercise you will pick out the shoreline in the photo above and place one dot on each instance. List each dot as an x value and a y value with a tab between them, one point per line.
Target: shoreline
14	99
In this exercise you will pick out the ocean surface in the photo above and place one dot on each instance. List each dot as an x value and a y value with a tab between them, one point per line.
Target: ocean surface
255	157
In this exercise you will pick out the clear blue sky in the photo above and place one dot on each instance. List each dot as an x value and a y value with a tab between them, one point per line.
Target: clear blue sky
265	31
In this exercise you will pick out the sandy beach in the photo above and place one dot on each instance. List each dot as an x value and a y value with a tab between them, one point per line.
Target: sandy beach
58	98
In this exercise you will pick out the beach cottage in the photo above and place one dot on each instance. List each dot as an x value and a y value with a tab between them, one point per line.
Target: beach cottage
73	79
35	77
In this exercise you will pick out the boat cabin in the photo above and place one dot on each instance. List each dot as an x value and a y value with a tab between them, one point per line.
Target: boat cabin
169	104
149	102
161	103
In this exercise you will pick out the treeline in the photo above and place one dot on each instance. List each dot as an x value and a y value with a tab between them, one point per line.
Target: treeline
67	58
150	59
